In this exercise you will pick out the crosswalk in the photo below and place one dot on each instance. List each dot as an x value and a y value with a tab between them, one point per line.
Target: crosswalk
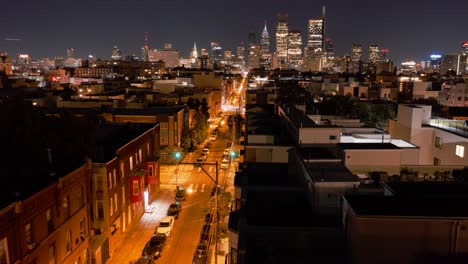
196	188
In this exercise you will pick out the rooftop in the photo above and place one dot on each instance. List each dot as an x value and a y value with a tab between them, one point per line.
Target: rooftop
367	146
408	207
428	189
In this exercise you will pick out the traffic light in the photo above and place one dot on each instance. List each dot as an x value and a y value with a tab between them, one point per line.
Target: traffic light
233	154
177	155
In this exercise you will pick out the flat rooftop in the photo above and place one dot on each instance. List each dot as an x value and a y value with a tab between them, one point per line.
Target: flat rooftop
268	175
111	137
367	146
408	207
428	189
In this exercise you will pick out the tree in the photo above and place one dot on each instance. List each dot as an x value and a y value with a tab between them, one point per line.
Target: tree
201	127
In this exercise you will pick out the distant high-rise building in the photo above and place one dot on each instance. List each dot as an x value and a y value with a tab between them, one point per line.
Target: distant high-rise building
356	58
145	49
252	39
315	55
329	55
71	53
116	53
265	59
194	53
216	54
265	41
315	35
465	48
240	56
453	62
374	54
282	39
294	49
254	56
384	55
169	55
227	57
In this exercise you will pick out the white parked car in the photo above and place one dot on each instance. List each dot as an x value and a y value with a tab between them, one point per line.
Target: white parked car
226	152
165	226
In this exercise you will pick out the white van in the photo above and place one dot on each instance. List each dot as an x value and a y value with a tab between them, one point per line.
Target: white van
224	164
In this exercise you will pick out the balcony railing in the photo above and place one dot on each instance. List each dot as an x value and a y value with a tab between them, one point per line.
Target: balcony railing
458	127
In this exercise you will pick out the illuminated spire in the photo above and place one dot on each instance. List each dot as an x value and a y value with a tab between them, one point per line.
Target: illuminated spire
265	41
146	40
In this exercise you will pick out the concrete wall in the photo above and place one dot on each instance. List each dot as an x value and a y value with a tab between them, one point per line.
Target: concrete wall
376	157
319	135
274	154
260	139
446	152
393	240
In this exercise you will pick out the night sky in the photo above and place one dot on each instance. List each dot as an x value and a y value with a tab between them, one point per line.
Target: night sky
410	29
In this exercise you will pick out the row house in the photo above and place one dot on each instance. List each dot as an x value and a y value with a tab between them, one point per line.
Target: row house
124	183
51	225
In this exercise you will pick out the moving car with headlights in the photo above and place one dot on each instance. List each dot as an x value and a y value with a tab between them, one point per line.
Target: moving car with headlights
165	226
224	164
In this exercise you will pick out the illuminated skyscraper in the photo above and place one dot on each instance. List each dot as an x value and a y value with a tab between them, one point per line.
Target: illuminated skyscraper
254	56
294	49
465	48
116	53
145	49
453	62
240	56
356	58
194	53
315	36
216	54
282	39
265	41
374	53
384	55
265	55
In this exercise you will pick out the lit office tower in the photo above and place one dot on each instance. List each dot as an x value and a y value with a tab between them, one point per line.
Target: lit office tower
465	47
384	55
282	39
453	62
329	55
116	53
194	54
373	54
356	58
228	57
240	55
315	36
265	55
254	56
216	54
294	49
145	49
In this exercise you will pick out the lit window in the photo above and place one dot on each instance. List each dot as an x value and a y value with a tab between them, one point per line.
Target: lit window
28	233
131	163
68	242
460	151
136	189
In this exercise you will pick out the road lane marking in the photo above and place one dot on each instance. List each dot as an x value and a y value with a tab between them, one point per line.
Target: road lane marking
203	188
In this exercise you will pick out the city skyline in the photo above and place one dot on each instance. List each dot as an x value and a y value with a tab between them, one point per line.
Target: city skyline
411	32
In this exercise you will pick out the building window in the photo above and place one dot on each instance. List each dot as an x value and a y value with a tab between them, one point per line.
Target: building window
136	190
148	148
460	151
122	170
115	202
436	161
123	196
140	153
100	209
66	207
438	142
131	162
50	223
28	233
114	176
332	137
83	228
68	245
111	204
109	181
52	254
150	170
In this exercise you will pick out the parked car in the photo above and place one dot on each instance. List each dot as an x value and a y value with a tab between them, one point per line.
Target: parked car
213	137
226	152
165	226
199	162
180	194
206	150
155	246
174	210
200	253
205	232
204	155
